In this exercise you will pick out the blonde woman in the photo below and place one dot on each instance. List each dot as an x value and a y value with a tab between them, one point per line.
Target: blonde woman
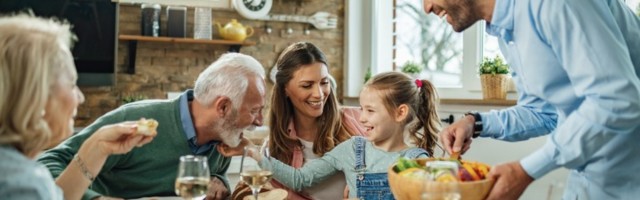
38	100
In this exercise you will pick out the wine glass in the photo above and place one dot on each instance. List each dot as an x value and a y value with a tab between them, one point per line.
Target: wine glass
441	191
441	182
252	174
193	177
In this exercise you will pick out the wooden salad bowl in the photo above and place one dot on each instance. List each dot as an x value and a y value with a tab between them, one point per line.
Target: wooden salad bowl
411	188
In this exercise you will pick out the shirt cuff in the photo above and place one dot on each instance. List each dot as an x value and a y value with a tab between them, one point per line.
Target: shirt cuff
490	125
540	162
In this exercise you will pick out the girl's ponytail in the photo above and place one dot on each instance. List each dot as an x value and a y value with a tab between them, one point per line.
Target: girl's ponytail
427	115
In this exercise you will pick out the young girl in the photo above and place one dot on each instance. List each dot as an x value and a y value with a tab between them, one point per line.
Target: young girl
391	102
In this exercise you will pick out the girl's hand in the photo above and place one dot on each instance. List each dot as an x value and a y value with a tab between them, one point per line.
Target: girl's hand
253	151
227	151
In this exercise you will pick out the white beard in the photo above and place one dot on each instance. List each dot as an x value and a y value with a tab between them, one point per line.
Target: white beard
228	130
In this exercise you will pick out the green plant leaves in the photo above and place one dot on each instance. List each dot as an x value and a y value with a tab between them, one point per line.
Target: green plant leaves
411	68
132	98
493	66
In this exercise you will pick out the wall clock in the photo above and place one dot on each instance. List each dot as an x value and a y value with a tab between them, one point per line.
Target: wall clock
253	9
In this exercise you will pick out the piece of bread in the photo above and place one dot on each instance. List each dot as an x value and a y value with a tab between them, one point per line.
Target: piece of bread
147	127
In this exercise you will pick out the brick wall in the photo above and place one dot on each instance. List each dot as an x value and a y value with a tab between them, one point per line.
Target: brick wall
168	67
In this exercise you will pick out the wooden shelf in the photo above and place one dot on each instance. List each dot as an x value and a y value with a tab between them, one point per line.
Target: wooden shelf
234	46
183	40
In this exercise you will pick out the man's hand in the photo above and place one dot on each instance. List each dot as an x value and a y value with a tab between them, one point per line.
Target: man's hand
217	190
227	151
511	181
457	136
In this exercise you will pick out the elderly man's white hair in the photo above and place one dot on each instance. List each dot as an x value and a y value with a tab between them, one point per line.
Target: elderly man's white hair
227	76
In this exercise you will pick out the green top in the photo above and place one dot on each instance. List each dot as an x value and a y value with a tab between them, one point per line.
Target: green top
150	170
341	158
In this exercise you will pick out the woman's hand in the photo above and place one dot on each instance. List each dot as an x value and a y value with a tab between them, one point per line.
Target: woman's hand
119	138
110	139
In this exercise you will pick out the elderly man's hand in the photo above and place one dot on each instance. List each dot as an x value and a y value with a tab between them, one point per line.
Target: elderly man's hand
217	190
511	181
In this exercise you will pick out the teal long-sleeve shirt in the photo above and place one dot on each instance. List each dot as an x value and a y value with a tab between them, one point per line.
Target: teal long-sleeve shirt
576	65
339	159
149	170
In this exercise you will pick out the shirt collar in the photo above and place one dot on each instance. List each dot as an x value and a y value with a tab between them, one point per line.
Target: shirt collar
297	158
187	124
502	20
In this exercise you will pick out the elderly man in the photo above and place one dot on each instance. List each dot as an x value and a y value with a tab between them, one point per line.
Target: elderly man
576	65
228	98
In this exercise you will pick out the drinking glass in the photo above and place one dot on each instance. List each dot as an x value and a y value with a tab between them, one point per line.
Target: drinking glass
252	174
441	181
441	191
193	177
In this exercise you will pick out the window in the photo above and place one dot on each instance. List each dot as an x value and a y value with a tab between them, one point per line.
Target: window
490	47
450	59
429	41
634	5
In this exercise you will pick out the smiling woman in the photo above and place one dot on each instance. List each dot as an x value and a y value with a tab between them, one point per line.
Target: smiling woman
306	120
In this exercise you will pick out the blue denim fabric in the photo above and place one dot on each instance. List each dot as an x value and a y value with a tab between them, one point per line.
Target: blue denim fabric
414	153
369	185
374	186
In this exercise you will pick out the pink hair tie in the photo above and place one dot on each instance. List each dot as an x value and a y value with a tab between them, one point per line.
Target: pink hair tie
419	83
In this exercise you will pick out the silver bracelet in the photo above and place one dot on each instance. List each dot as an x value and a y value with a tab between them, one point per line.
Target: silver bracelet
84	169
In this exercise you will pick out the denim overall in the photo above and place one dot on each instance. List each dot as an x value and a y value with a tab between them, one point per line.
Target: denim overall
373	186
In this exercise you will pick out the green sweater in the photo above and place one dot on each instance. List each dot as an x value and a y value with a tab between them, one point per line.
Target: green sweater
150	170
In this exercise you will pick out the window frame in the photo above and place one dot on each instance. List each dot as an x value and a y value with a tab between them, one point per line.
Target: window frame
374	45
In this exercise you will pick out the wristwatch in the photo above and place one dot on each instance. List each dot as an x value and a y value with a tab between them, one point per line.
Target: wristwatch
477	126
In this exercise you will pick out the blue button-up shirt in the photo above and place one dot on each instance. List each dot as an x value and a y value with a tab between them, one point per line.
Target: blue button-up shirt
187	125
576	65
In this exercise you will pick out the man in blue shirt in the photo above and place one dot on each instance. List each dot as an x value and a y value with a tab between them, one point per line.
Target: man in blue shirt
576	65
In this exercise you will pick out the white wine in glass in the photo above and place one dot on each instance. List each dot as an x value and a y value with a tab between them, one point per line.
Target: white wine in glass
193	177
256	178
254	175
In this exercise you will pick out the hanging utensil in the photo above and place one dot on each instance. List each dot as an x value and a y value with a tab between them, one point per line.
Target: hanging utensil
319	20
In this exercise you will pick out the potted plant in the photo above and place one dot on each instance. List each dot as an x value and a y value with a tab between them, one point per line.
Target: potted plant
132	98
494	77
412	68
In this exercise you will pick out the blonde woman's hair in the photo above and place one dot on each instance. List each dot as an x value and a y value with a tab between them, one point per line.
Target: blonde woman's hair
33	53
